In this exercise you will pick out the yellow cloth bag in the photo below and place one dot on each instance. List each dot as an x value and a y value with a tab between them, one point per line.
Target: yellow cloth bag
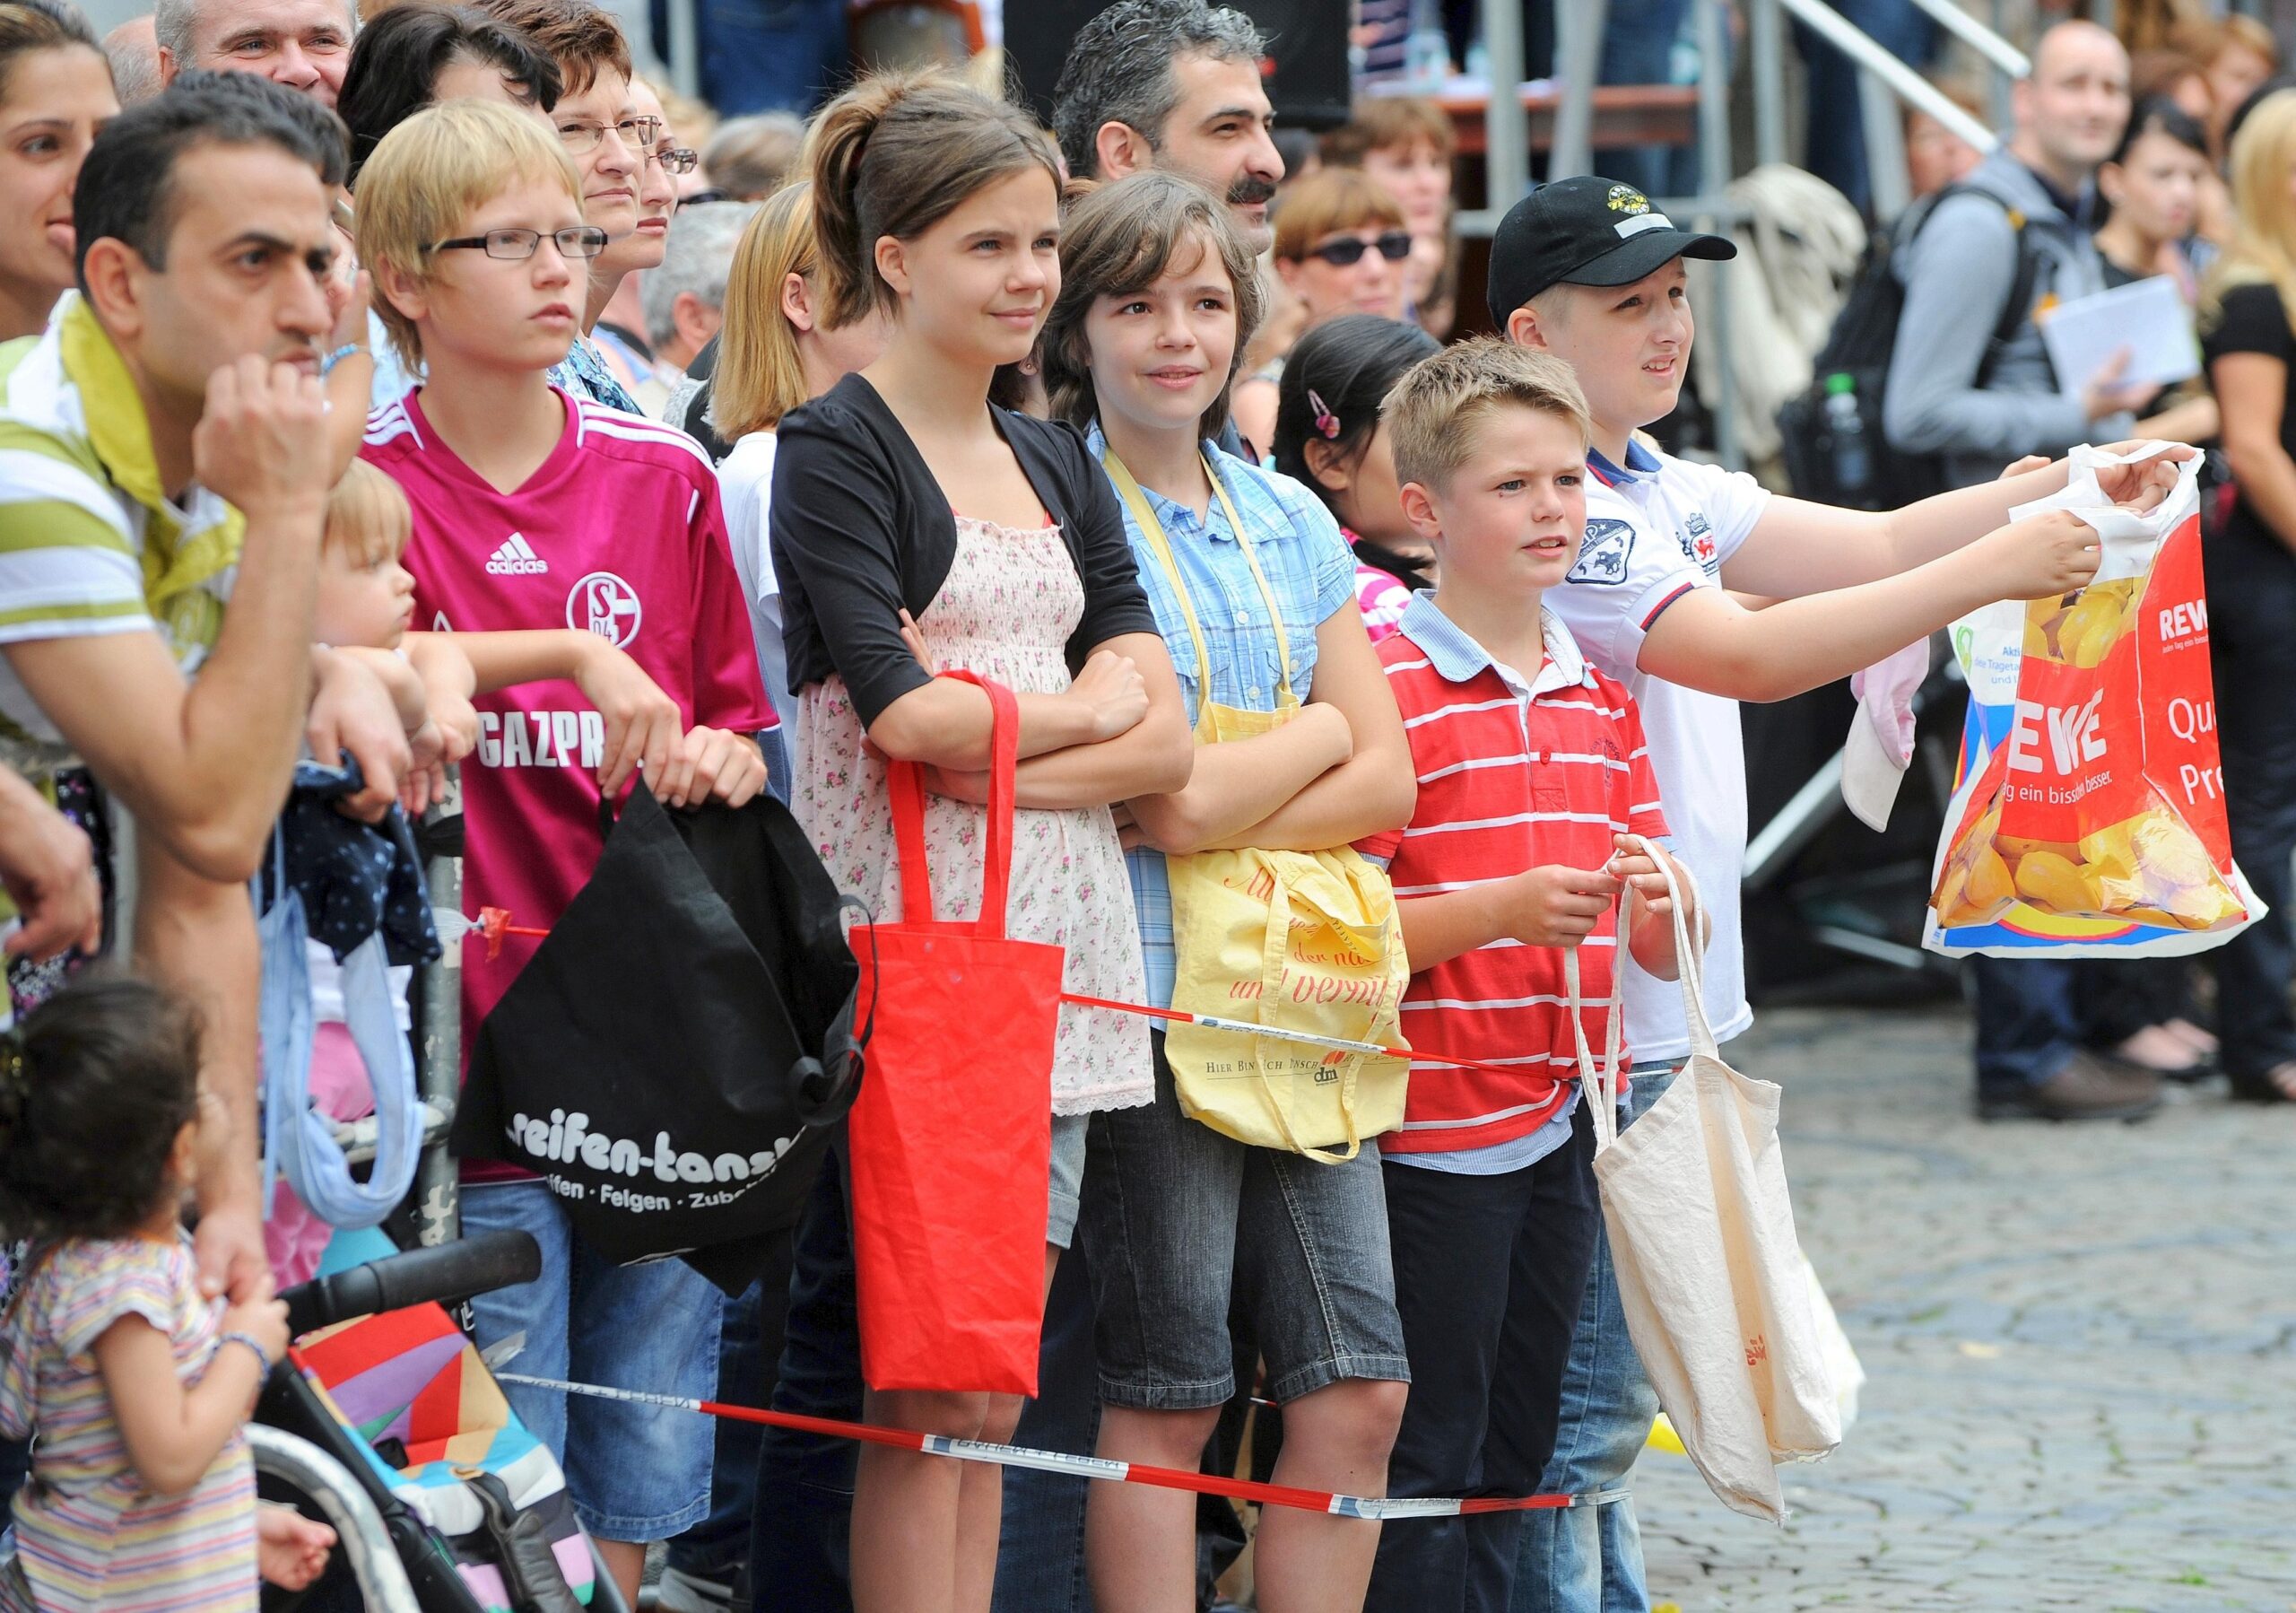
1305	940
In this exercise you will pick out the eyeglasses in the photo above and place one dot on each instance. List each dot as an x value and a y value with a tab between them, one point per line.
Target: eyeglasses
683	160
635	134
1347	251
576	241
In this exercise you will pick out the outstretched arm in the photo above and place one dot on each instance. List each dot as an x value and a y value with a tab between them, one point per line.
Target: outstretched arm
1705	640
1799	548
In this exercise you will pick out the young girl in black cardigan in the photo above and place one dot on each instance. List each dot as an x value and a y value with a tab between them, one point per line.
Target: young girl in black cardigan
917	526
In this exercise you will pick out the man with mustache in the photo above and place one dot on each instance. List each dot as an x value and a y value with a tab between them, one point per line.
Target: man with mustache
161	504
1173	84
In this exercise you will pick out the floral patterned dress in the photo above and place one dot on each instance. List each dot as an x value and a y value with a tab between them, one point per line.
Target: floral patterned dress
1005	610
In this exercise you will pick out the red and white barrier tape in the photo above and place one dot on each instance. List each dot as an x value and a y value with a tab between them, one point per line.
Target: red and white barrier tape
1276	1033
1377	1508
493	923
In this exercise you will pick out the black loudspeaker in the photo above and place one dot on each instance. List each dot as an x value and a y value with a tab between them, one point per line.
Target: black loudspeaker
1306	65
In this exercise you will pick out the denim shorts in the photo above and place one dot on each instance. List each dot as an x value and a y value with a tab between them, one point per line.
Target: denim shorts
1179	1216
634	1472
1067	1178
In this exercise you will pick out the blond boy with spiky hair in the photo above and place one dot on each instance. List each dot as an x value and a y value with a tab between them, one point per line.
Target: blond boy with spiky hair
536	512
1533	773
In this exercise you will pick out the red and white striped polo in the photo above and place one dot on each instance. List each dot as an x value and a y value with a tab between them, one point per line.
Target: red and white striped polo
1513	774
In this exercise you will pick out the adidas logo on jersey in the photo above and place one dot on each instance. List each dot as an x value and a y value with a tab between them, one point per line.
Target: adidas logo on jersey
515	558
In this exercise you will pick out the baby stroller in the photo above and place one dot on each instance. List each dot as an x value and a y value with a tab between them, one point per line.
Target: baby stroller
384	1419
385	1422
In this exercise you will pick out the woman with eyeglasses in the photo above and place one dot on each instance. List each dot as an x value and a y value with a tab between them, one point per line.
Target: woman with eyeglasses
617	318
1342	246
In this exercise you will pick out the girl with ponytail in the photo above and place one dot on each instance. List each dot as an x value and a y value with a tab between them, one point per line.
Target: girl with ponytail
916	526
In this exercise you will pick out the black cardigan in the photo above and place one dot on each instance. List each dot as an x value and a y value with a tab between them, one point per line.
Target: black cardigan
861	530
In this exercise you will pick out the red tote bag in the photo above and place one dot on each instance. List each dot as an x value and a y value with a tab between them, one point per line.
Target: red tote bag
951	1135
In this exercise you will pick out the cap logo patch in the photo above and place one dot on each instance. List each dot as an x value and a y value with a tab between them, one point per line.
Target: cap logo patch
1625	198
1641	221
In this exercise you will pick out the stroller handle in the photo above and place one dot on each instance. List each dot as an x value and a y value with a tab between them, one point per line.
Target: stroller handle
446	1274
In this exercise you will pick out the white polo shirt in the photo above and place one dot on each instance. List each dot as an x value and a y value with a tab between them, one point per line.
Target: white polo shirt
1657	527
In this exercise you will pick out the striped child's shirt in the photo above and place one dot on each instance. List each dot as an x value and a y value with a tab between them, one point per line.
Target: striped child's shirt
90	542
89	1535
1514	773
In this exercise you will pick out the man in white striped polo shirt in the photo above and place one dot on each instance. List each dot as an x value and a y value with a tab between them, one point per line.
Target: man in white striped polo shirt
161	450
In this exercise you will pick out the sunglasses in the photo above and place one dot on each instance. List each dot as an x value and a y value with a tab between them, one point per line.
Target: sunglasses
1347	251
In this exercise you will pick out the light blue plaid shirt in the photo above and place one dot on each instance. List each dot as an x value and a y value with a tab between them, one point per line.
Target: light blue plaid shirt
1310	570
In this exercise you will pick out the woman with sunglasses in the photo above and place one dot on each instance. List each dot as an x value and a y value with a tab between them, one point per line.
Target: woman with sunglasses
1341	247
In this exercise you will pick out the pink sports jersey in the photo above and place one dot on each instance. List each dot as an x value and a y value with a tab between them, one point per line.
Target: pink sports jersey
618	534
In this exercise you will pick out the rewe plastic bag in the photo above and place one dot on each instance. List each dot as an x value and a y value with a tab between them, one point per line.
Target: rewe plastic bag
2089	817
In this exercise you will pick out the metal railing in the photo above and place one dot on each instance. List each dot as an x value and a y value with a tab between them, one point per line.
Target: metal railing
2012	62
439	1062
1877	62
375	1565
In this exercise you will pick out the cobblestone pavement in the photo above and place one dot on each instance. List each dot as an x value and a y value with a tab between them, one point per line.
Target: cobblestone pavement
2080	1343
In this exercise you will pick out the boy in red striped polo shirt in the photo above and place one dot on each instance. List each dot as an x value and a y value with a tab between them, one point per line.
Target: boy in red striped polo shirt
1532	772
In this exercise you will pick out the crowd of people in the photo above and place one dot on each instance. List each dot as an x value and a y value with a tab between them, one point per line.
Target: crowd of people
432	394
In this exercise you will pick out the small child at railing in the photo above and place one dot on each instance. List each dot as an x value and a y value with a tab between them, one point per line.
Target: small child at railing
365	603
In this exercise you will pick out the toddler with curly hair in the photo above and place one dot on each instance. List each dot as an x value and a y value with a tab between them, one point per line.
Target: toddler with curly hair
142	1490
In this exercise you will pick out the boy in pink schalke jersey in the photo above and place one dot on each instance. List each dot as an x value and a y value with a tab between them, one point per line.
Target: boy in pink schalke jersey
541	520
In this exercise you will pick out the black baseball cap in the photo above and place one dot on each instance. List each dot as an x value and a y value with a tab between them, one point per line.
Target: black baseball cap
1585	230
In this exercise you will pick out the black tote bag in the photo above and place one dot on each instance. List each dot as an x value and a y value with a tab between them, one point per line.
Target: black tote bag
673	1059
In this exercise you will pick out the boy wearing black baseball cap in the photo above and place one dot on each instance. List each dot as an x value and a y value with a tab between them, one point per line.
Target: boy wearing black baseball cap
1590	271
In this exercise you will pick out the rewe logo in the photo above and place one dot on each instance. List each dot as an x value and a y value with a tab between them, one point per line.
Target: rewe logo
515	558
2076	735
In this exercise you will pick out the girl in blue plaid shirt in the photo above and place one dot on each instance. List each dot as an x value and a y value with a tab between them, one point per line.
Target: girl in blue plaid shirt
1158	298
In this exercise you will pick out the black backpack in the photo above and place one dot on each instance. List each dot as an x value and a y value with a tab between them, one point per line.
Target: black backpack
676	1057
1835	452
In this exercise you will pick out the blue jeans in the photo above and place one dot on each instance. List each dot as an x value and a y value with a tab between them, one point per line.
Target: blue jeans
1491	1275
1588	1559
1182	1221
2028	1021
717	1547
773	744
2251	593
1639	48
800	1549
634	1472
1837	126
1040	1552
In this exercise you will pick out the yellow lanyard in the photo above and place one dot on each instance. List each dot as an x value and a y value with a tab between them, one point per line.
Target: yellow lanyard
1153	530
